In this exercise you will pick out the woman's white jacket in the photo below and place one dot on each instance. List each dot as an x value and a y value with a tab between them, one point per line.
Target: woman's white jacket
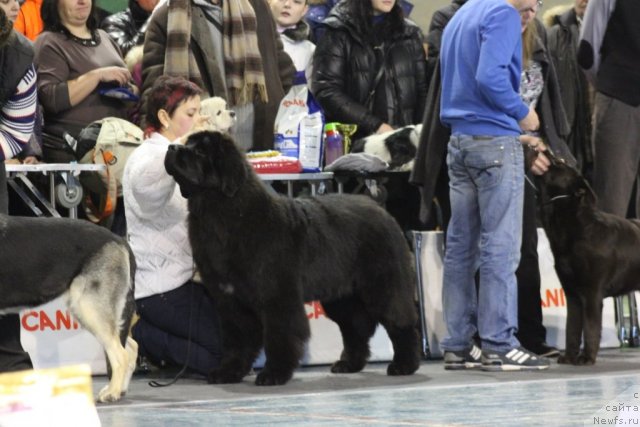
156	220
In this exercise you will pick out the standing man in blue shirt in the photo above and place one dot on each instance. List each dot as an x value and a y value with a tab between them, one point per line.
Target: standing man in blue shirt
481	61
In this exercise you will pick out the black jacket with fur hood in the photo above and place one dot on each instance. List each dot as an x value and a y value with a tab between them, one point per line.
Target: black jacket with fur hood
345	66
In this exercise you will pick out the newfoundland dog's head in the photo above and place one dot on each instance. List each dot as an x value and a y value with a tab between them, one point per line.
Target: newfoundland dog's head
209	161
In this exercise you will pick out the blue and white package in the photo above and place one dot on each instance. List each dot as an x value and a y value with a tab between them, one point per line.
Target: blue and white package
299	125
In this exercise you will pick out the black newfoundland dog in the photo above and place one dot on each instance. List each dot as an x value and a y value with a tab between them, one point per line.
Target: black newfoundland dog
263	255
597	255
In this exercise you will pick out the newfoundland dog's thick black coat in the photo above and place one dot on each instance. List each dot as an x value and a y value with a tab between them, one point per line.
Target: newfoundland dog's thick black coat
263	255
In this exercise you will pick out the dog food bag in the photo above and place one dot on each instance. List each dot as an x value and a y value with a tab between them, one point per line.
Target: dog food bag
299	125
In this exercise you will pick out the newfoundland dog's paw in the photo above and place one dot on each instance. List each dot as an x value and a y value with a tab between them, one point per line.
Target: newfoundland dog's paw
224	376
401	369
344	367
269	377
584	360
567	359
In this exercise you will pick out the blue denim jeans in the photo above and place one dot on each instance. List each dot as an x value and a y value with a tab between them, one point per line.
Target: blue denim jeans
485	232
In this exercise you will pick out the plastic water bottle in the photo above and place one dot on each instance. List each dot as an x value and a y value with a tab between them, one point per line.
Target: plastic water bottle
332	143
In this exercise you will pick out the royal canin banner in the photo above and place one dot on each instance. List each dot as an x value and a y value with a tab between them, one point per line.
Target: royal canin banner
53	338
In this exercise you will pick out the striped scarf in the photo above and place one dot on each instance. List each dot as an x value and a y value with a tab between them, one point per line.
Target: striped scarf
242	60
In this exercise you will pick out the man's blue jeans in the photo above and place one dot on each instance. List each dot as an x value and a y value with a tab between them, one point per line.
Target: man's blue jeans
486	186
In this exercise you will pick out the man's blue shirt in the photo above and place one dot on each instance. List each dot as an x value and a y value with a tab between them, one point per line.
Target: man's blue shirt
481	61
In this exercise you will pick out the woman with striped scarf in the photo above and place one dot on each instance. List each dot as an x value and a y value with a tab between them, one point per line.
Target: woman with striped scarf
230	48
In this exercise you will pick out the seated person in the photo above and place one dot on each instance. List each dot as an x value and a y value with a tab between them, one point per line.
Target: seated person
18	104
74	59
177	316
29	21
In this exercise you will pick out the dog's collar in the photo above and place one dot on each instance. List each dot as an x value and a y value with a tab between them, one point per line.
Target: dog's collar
555	198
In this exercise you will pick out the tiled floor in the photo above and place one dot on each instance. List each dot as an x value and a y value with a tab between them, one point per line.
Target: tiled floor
561	396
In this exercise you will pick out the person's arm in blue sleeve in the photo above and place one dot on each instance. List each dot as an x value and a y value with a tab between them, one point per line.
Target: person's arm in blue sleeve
500	35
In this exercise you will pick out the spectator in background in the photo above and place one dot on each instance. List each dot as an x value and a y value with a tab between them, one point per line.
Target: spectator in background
439	20
29	21
294	33
18	105
609	52
177	316
430	171
127	27
319	10
315	16
74	60
33	150
540	90
563	36
230	49
369	68
11	9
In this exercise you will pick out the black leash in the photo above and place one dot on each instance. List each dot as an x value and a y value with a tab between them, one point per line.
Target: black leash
154	383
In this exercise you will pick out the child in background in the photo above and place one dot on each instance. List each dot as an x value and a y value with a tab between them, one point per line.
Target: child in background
294	33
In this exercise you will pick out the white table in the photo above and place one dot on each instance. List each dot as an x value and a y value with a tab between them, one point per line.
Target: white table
72	191
313	178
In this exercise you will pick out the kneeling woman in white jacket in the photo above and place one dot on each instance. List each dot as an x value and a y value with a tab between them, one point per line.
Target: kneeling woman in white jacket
173	308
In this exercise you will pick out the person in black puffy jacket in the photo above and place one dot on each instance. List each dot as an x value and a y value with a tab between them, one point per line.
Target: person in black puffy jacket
369	68
127	27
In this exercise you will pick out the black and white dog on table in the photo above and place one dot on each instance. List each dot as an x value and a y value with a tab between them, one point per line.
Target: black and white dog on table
398	148
596	254
263	255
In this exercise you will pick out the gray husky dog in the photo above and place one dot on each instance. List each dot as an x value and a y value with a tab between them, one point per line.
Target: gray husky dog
44	258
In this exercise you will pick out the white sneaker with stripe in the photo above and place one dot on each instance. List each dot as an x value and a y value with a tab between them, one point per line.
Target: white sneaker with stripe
517	359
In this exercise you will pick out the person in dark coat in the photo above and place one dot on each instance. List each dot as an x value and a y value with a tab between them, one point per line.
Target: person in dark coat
433	130
439	20
539	87
562	41
127	27
369	68
320	9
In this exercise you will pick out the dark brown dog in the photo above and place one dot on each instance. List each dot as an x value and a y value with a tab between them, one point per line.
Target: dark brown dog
263	255
597	255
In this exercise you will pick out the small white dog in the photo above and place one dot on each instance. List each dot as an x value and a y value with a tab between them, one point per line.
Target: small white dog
220	118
